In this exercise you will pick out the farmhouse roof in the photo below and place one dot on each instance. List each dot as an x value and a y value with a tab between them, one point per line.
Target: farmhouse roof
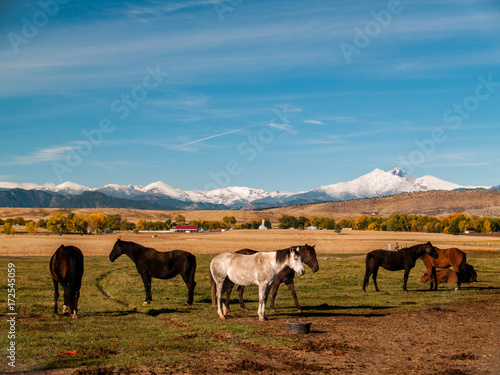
186	227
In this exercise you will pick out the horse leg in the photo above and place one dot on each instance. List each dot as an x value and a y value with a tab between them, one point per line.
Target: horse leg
368	273
75	311
434	277
65	297
146	279
228	298
461	272
291	288
226	285
374	277
405	278
263	293
218	298
190	283
241	289
276	285
56	294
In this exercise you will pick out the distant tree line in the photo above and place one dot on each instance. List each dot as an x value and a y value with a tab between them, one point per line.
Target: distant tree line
452	224
97	223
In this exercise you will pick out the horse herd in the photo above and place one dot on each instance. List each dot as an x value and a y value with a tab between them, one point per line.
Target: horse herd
249	267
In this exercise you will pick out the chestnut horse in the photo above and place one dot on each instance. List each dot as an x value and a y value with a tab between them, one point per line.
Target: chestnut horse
403	259
260	269
161	265
451	277
66	268
308	255
446	258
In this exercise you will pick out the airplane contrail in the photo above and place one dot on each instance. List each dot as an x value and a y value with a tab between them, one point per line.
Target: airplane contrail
217	135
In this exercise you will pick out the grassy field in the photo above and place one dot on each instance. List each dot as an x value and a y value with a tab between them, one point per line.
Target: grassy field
119	332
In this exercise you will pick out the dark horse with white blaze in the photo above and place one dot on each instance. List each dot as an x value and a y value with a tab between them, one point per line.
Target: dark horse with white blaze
395	261
161	265
66	268
308	255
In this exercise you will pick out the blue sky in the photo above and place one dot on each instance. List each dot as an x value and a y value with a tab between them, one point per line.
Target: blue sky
287	95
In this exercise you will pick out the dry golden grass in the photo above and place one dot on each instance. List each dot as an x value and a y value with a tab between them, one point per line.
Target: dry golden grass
265	240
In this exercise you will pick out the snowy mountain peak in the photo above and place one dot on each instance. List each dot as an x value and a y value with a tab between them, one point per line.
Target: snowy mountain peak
376	183
159	187
398	172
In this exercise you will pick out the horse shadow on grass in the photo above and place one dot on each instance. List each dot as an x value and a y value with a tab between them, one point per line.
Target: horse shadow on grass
325	310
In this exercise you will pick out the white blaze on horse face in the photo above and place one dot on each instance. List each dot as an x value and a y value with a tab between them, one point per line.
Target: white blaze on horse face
296	262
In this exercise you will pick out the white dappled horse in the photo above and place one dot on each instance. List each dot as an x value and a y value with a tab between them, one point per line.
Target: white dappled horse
260	269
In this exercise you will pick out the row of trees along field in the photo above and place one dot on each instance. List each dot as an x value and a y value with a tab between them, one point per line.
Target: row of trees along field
97	223
452	224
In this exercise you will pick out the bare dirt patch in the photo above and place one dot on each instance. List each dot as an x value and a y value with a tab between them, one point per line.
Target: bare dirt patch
456	339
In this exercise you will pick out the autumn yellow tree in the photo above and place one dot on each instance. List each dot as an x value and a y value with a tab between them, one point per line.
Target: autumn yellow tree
79	224
141	224
96	223
31	227
7	228
58	223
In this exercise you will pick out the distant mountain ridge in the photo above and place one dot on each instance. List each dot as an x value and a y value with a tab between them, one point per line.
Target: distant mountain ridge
160	196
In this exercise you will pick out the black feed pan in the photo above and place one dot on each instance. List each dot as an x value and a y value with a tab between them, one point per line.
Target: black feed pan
299	327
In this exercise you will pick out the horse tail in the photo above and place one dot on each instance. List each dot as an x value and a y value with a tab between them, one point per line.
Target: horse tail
212	286
75	273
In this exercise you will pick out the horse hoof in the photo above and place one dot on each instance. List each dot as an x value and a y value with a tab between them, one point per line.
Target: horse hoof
273	311
145	303
299	311
222	317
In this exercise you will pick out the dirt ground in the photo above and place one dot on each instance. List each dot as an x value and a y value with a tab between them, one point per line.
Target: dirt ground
445	339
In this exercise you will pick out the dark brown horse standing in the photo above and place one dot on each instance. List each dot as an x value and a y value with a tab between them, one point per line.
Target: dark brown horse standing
395	261
161	265
66	268
446	258
308	255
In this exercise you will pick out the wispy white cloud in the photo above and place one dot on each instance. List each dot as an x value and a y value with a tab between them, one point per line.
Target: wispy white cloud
44	155
314	122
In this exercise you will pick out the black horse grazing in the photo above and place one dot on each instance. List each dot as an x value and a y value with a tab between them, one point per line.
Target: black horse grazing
161	265
395	261
308	255
66	268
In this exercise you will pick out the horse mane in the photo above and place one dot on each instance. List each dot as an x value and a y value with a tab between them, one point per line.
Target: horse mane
282	255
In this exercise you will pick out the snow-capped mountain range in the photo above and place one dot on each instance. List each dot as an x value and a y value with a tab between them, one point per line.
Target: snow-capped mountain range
374	184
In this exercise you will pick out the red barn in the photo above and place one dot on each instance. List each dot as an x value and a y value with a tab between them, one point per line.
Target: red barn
186	228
